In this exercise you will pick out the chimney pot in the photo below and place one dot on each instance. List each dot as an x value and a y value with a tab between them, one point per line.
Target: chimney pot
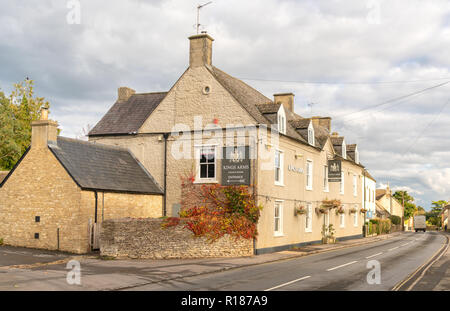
200	51
44	113
124	93
286	99
43	131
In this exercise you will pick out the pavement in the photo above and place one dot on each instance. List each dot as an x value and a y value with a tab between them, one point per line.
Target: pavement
23	269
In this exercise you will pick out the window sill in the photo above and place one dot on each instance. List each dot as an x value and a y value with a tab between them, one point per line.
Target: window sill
326	190
278	235
308	230
206	181
279	184
309	189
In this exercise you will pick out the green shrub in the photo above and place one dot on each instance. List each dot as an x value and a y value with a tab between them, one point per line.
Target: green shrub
1	241
396	220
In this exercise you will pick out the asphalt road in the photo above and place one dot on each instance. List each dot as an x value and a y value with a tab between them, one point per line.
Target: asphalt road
341	270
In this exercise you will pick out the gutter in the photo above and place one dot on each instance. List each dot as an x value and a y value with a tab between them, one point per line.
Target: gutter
166	136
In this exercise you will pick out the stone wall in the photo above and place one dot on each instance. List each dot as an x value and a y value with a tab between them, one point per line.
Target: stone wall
145	238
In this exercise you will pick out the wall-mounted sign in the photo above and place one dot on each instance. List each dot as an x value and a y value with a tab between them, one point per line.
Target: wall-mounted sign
236	166
293	168
334	170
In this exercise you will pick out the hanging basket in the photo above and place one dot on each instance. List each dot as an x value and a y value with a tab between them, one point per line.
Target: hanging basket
352	210
300	210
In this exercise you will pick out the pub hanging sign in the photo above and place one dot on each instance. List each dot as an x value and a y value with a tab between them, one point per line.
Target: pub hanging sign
236	166
334	170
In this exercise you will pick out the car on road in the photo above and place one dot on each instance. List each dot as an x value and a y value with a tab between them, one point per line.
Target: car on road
420	223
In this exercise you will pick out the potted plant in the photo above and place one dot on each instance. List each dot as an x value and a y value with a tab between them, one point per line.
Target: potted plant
328	234
352	210
301	210
363	210
340	210
329	204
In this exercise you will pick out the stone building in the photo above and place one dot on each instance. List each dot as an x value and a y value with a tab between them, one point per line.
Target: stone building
292	174
386	199
369	195
62	188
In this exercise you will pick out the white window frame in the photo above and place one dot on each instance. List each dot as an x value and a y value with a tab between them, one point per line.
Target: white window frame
309	186
355	217
279	204
311	135
279	182
308	217
281	117
326	184
342	218
198	179
355	185
342	183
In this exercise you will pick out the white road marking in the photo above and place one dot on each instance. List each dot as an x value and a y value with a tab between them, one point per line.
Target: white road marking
374	255
288	283
405	244
346	264
391	249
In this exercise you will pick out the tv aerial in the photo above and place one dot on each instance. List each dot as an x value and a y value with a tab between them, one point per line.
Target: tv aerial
198	15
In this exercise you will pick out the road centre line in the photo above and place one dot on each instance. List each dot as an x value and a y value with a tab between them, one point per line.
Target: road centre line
391	249
374	255
288	283
405	244
346	264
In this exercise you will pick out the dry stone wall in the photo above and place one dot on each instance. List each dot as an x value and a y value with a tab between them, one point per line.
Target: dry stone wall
146	239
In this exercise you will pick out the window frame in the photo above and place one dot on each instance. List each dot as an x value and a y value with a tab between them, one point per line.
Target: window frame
326	183
308	217
355	217
342	183
278	203
198	178
342	218
309	186
279	182
281	119
311	134
355	185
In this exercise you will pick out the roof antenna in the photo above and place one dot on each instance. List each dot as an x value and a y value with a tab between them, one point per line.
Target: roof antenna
198	14
311	106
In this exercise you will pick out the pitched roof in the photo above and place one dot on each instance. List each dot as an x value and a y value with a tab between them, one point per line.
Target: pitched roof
3	175
379	193
368	175
102	167
127	117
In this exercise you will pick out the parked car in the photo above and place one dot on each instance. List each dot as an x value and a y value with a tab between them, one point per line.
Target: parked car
420	223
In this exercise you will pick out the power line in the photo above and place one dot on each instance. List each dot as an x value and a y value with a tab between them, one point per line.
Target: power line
395	99
349	82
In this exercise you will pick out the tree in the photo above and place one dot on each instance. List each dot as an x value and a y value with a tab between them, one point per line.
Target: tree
434	216
16	114
404	198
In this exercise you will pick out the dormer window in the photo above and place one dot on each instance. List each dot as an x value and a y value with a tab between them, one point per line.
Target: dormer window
356	156
344	149
311	139
281	120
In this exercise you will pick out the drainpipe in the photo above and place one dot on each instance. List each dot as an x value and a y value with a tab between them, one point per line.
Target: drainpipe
166	136
96	205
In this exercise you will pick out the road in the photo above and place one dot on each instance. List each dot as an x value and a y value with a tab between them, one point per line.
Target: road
333	271
345	269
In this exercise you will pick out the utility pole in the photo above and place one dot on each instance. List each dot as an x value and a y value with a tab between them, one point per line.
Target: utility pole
403	210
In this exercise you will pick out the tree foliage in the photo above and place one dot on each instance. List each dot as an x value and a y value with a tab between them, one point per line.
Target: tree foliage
434	216
17	111
404	198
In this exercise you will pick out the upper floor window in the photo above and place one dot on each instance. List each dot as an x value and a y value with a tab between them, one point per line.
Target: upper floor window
355	185
325	179
309	175
278	167
342	183
311	139
281	120
206	163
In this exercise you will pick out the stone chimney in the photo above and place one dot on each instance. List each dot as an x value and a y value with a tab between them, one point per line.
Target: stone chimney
124	93
315	120
326	123
200	52
286	99
335	134
43	131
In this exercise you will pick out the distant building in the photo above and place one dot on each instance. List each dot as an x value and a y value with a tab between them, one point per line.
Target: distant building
369	185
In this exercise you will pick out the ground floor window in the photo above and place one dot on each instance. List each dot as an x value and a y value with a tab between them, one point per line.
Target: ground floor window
308	218
278	218
355	216
206	165
342	218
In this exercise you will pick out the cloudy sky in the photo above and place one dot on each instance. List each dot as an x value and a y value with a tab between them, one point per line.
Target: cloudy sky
378	68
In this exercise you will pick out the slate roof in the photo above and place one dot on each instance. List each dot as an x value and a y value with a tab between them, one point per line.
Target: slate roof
102	167
369	176
351	151
126	117
379	193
